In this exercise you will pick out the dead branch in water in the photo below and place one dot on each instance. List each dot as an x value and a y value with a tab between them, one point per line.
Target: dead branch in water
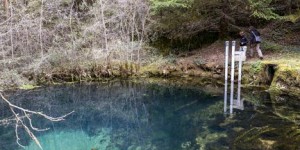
19	120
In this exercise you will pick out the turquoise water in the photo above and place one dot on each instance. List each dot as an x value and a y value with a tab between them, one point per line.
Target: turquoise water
124	115
73	140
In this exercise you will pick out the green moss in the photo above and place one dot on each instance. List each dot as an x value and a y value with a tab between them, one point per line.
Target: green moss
284	77
256	67
254	74
28	87
286	80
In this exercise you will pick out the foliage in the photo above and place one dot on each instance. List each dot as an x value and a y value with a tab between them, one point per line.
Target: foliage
28	87
293	17
159	5
10	78
256	67
262	9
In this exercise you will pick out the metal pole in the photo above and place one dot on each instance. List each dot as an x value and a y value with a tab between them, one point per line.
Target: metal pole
232	77
226	75
240	79
243	58
239	94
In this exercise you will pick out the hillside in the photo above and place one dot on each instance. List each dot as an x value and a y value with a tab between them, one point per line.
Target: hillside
66	41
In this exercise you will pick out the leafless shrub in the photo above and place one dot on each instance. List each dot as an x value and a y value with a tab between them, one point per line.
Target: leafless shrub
96	32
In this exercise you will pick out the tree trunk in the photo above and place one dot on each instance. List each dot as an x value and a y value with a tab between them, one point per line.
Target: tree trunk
11	31
223	26
5	4
102	6
289	6
41	31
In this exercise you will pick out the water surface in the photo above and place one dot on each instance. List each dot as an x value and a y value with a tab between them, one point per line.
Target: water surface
124	115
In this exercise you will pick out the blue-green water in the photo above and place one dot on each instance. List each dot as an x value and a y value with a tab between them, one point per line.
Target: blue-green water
124	115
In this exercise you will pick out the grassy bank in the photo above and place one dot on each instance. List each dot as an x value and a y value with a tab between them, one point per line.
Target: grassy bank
279	71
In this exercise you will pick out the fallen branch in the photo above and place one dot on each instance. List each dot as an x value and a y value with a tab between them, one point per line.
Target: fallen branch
19	120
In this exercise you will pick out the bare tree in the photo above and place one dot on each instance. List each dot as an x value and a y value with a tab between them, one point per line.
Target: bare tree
41	25
116	27
11	31
120	26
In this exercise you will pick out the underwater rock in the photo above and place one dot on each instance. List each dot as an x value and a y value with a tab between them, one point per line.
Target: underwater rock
205	139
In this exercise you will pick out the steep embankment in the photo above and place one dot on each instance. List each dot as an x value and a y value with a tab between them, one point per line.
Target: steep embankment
282	76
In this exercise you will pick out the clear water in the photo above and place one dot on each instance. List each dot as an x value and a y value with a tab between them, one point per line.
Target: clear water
124	115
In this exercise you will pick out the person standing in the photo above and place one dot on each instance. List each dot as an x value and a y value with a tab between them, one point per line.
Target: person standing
243	44
255	41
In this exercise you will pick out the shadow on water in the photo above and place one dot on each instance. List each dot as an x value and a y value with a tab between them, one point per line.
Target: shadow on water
123	115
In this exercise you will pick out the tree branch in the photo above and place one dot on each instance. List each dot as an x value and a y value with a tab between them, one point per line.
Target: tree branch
19	120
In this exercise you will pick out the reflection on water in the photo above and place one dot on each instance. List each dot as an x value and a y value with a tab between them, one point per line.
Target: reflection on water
125	115
237	103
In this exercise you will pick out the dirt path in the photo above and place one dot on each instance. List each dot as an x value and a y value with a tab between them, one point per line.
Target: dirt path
215	55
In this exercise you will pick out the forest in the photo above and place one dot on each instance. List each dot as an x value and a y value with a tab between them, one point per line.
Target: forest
48	40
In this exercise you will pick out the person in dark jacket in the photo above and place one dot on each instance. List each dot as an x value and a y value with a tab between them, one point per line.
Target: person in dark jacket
255	41
243	40
243	44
